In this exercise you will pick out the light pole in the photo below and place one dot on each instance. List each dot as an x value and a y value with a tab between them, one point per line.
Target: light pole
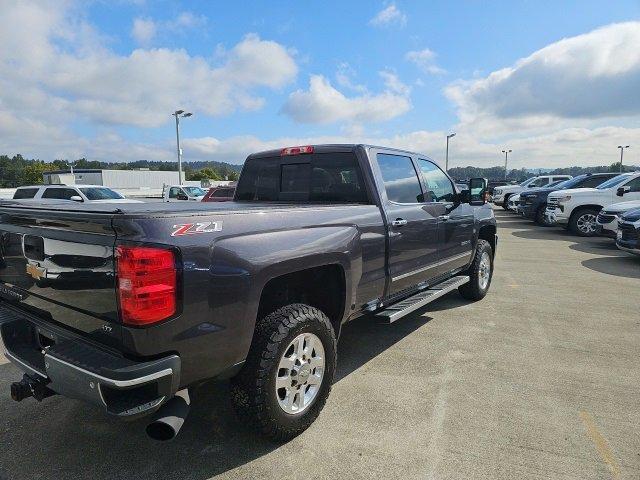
178	114
622	154
446	161
506	157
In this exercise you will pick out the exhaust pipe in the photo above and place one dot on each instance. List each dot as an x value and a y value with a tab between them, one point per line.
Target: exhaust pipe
168	421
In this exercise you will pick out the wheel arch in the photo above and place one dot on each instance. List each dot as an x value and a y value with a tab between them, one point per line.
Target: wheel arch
584	207
488	232
322	286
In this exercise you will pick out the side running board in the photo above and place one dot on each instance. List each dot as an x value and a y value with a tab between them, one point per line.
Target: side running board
420	299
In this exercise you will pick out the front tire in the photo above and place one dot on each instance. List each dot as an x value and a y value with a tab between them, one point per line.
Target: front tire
288	373
541	217
583	222
480	273
505	205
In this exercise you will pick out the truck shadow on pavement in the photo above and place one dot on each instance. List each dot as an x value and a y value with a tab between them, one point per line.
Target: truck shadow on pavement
64	439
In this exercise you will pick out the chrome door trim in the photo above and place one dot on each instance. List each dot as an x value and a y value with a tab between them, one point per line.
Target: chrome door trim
432	265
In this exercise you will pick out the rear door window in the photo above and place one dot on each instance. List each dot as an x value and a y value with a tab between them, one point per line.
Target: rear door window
22	193
60	193
400	178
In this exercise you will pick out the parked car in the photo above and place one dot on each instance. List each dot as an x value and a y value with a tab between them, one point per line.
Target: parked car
607	219
219	194
255	290
533	203
74	193
577	209
501	194
495	183
628	236
179	193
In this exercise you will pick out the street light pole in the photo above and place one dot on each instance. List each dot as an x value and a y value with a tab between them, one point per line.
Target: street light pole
506	157
178	114
446	162
622	154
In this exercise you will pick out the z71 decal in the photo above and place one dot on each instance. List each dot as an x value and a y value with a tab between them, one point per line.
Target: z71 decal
196	228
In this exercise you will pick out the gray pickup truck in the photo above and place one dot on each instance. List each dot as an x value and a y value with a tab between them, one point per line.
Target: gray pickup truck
130	306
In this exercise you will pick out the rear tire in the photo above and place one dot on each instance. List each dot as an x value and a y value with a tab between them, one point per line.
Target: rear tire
480	273
256	391
583	222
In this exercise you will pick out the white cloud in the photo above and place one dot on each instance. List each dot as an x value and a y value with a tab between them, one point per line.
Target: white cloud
388	16
187	20
143	30
587	77
67	72
322	103
425	60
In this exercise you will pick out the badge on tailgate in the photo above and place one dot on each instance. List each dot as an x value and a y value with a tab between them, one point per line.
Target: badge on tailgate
196	228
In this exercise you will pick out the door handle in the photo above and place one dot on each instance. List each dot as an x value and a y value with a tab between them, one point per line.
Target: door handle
399	222
444	218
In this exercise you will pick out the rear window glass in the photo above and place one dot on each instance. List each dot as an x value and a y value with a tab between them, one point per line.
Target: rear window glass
25	193
320	177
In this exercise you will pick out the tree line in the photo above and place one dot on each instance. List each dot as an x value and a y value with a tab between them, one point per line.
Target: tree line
17	170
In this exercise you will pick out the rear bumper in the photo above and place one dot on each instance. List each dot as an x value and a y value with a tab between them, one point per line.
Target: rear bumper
75	368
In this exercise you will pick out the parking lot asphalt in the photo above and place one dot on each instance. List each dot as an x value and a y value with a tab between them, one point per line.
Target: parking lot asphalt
538	380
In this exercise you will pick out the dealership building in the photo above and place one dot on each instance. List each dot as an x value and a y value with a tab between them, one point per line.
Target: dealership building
116	179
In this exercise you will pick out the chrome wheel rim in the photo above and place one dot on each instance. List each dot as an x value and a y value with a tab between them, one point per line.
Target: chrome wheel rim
484	270
586	223
300	373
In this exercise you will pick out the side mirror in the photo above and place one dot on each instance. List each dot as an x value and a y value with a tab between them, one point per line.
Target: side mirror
76	198
477	191
464	196
622	190
182	196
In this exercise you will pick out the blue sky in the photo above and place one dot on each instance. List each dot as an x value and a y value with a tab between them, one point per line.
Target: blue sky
94	79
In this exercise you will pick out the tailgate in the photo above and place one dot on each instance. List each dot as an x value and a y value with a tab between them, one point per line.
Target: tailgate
59	265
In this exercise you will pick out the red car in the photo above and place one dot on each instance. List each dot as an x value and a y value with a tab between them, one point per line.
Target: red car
219	194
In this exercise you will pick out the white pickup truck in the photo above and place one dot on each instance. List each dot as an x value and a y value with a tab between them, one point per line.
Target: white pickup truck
501	194
577	209
178	193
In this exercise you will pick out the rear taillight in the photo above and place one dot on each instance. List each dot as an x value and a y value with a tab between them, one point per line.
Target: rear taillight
147	284
296	150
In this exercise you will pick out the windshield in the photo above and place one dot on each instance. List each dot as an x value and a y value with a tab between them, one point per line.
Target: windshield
194	191
96	193
613	182
556	183
527	181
